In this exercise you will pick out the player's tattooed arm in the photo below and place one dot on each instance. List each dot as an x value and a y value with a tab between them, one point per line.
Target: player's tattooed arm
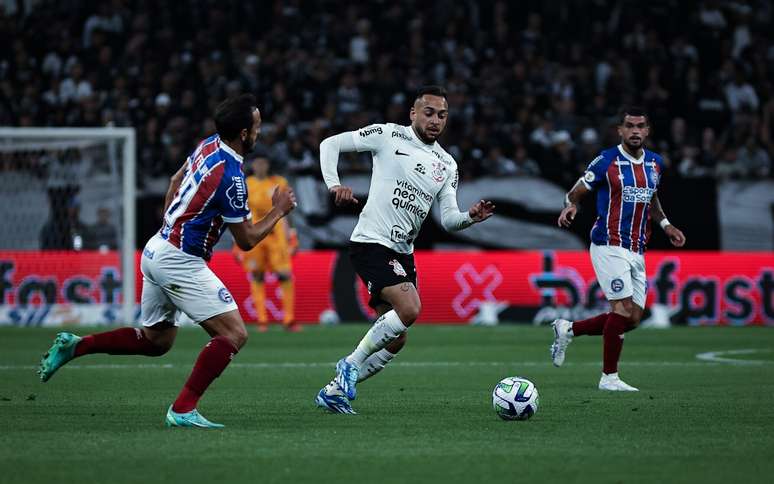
658	216
174	184
571	202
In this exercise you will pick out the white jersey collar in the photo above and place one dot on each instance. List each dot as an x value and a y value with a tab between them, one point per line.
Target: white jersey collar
228	150
629	157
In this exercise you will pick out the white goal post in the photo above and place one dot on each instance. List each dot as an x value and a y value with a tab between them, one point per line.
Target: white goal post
110	154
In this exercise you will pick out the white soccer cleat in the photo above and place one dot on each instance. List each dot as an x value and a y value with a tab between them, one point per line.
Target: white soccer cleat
562	338
612	383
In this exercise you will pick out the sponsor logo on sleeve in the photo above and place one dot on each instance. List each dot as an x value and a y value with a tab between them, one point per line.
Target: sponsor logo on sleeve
236	193
589	177
371	130
456	179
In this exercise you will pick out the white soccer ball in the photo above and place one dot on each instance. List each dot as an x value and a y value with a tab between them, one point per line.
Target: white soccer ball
329	317
515	398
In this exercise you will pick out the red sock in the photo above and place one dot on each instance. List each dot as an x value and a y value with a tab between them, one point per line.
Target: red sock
213	359
591	326
122	341
613	341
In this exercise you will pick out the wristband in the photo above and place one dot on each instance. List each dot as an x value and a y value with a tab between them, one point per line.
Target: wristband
664	222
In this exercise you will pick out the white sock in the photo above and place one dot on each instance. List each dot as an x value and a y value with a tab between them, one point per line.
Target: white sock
383	332
374	364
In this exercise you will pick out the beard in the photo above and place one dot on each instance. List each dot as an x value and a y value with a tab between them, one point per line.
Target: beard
425	137
248	145
634	145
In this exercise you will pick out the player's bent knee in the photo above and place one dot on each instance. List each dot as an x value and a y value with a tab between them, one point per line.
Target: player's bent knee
409	313
160	339
239	337
160	349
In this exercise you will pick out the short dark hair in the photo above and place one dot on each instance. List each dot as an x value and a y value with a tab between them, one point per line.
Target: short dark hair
632	111
431	90
234	114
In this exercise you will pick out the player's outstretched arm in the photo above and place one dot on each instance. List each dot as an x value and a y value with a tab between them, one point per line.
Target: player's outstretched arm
571	201
329	160
481	210
658	216
451	217
247	234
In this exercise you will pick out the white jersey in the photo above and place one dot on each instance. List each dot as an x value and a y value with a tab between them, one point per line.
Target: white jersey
407	176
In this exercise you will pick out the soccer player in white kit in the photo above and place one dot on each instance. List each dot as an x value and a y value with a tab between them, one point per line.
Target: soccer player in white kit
626	178
410	171
205	196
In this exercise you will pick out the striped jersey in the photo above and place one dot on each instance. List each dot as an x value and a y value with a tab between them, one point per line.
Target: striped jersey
213	192
625	186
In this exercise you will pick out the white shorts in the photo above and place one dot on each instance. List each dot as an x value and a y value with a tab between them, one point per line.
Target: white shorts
174	282
620	273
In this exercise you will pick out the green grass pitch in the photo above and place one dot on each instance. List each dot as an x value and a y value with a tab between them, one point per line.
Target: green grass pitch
427	418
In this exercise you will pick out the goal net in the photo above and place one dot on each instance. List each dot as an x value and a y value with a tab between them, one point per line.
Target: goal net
67	246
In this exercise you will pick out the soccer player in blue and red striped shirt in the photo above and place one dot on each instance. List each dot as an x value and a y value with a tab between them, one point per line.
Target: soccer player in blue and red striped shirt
626	179
205	196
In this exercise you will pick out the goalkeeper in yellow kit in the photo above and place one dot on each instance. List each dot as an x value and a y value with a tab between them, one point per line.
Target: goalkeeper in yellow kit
273	253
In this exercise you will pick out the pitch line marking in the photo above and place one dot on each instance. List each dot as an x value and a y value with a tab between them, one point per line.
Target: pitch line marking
406	364
721	356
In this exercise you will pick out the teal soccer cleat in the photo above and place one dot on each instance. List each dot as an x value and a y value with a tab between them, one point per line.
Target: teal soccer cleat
331	398
62	351
189	419
346	377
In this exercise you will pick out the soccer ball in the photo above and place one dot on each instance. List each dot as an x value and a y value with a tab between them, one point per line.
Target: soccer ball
515	398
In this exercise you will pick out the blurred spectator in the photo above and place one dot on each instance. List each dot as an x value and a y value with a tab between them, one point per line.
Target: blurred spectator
64	229
102	235
740	93
524	165
514	76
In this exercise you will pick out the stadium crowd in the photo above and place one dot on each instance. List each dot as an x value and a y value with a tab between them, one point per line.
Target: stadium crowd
533	86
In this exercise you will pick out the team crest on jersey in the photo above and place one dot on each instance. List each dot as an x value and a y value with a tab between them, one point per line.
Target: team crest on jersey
397	268
236	193
224	295
617	285
438	170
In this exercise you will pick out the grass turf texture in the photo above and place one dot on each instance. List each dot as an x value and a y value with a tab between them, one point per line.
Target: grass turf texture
426	418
